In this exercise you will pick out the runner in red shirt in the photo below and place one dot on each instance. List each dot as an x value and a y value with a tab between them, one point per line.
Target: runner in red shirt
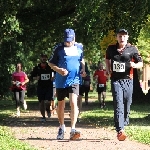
19	80
101	79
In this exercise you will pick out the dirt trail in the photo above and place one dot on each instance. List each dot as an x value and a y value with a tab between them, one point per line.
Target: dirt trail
42	136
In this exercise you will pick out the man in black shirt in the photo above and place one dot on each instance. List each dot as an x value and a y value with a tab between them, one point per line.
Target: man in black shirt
44	74
121	58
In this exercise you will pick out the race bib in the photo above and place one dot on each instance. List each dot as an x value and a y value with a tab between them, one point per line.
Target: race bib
101	85
118	67
45	76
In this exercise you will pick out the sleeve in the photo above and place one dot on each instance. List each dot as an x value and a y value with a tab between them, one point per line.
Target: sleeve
80	45
107	55
87	69
34	73
54	57
136	56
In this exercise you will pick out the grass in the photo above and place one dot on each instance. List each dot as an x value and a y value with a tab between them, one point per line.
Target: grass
139	127
7	141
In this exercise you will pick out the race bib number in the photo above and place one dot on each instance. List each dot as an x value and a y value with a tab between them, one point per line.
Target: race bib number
101	85
118	67
45	76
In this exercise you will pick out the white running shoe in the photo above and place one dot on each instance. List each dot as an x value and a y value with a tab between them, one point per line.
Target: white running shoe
18	113
25	105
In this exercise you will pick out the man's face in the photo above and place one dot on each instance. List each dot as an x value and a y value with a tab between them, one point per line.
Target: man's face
122	38
69	44
43	59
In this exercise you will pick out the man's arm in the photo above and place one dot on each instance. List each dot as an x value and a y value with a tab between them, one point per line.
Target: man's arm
34	74
83	65
138	60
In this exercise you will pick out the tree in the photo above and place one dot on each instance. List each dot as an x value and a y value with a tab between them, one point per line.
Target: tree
34	26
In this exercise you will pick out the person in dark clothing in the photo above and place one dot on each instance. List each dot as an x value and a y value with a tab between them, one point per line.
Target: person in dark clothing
44	75
120	60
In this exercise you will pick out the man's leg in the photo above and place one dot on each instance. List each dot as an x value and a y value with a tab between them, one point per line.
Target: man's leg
87	89
49	99
47	107
128	100
79	102
42	109
73	95
61	94
41	98
117	92
60	111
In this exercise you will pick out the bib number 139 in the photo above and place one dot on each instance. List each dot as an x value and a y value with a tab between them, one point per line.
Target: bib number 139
118	67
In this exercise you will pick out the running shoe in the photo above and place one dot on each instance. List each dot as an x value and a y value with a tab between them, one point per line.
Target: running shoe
60	135
43	119
18	113
74	135
121	135
25	105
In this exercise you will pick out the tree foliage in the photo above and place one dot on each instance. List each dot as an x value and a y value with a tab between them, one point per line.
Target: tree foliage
144	41
31	27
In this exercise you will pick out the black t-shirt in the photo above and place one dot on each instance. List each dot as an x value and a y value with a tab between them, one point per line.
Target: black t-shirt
45	74
120	62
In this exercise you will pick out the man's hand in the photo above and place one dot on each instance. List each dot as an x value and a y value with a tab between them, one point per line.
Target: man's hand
62	71
132	64
107	74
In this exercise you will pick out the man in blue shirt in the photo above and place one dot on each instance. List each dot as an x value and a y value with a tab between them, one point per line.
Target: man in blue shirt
66	61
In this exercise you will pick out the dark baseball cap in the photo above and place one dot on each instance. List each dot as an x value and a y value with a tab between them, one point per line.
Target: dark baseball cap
69	35
122	31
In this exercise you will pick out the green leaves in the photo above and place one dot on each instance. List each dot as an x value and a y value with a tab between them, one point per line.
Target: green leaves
144	41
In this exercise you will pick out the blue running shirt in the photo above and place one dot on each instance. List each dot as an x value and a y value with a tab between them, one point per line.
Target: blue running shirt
68	58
